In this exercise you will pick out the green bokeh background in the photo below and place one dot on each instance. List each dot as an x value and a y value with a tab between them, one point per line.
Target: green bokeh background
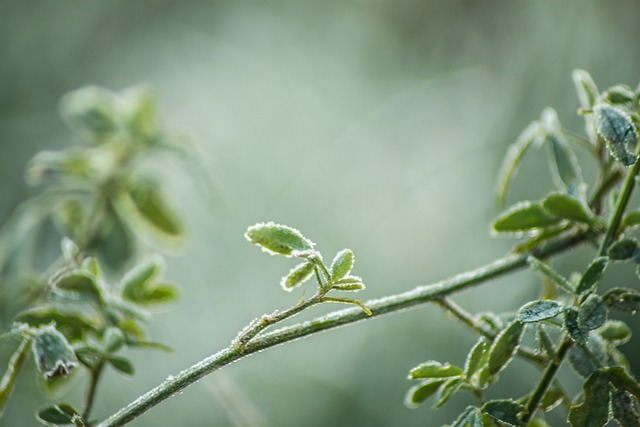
375	125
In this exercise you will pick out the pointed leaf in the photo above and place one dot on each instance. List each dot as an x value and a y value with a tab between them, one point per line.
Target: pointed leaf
506	411
277	239
524	216
593	312
297	276
536	311
567	207
623	249
9	377
622	299
594	410
617	129
586	88
433	369
52	352
342	264
624	406
514	155
421	392
504	347
475	358
576	331
564	165
592	276
447	389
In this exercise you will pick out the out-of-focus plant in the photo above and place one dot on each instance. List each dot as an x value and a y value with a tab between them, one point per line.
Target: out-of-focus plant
573	320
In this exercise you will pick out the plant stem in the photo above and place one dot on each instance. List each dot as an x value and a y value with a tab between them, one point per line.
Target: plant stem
566	343
91	392
393	303
9	377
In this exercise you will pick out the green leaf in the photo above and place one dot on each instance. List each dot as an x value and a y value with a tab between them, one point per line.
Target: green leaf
619	94
434	369
421	392
447	389
576	331
514	155
138	107
536	311
506	411
616	332
621	379
52	352
113	339
80	284
564	165
504	347
586	88
138	285
150	204
72	324
567	207
471	417
62	413
524	216
623	249
121	364
545	343
550	273
277	239
342	264
617	129
113	244
91	112
475	358
9	377
582	362
47	165
592	313
70	251
552	398
630	220
594	410
622	299
624	406
592	276
297	276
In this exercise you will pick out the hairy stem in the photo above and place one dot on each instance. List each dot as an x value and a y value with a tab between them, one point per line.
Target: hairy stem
394	303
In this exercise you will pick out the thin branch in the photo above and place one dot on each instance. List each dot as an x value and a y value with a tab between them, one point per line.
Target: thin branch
394	303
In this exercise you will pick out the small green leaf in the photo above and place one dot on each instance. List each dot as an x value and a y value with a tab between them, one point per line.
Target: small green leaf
113	244
514	155
564	165
594	410
52	352
447	389
62	413
592	276
524	216
9	377
582	362
80	284
624	406
586	88
113	339
277	239
297	276
616	332
342	264
621	379
471	417
91	112
475	358
421	392
552	398
536	311
576	331
592	313
70	251
121	364
568	207
619	94
506	411
151	206
138	285
73	324
622	299
138	107
623	249
504	347
434	369
617	129
631	220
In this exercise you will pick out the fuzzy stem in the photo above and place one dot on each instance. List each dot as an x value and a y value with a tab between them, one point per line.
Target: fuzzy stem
394	303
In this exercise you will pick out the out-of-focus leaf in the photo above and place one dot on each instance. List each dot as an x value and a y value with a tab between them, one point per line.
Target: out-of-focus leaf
624	409
617	129
594	410
70	217
550	273
631	220
619	94
297	276
138	108
592	313
552	398
524	216
536	311
506	411
447	389
592	276
46	165
113	243
60	414
91	112
622	299
421	392
581	361
121	364
586	88
277	239
13	368
623	249
342	264
504	347
149	203
621	379
540	237
81	284
545	343
471	417
615	331
576	331
138	277
52	352
564	166
113	339
568	207
514	155
434	369
73	324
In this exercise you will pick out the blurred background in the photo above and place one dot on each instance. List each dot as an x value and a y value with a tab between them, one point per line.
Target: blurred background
374	125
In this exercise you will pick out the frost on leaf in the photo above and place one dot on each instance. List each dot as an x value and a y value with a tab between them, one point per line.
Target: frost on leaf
297	276
616	128
277	239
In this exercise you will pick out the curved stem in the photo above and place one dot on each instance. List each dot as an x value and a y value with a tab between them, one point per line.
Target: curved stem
91	392
394	303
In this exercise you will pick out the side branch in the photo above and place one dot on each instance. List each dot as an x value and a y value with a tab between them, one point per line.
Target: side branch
394	303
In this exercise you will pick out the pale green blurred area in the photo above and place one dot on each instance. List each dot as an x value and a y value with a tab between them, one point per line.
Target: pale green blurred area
374	125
